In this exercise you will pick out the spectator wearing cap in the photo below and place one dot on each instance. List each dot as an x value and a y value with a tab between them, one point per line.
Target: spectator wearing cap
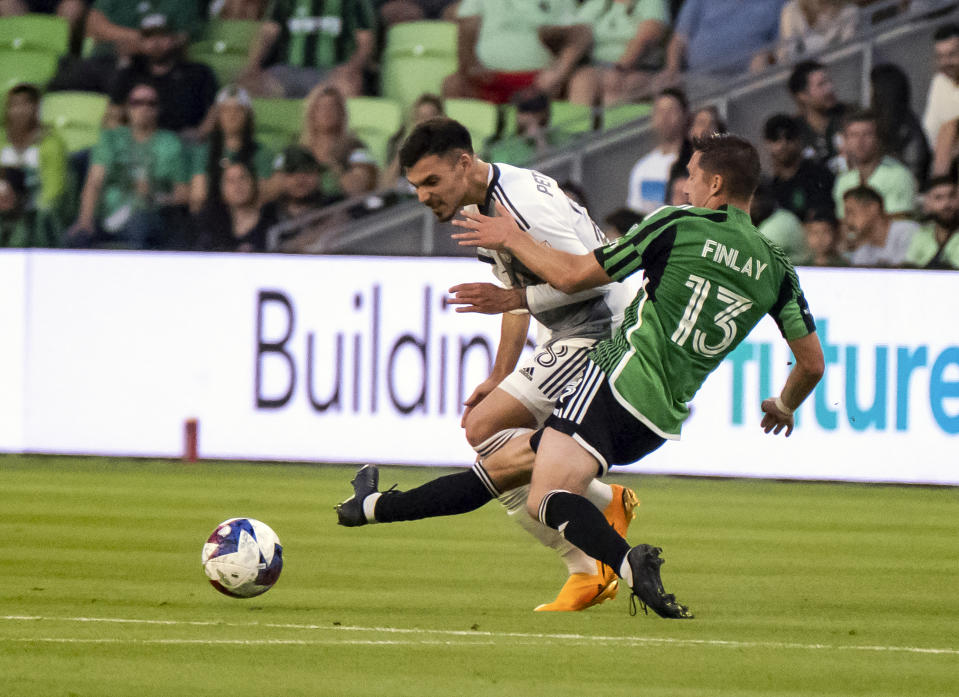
506	46
534	136
138	178
38	151
233	220
798	184
870	167
186	89
936	244
301	192
304	43
875	238
349	167
232	140
21	226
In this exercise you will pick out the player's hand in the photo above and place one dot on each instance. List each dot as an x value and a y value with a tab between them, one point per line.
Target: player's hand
486	298
479	394
483	231
776	420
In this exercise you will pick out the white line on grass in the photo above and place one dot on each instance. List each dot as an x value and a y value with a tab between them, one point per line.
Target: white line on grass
463	637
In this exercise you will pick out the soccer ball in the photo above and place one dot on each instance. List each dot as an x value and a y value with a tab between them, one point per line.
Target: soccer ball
243	557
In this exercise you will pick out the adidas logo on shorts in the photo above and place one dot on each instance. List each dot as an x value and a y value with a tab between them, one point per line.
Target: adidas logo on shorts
527	373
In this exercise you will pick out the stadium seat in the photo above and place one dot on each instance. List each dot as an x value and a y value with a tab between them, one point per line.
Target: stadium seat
375	120
624	113
278	122
35	67
569	117
224	46
417	57
35	32
76	116
481	118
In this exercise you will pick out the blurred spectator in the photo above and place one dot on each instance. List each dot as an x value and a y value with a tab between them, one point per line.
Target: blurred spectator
628	37
936	244
942	100
21	226
676	186
575	193
706	120
349	167
900	132
534	136
396	11
426	106
186	89
869	167
33	148
798	184
114	25
232	221
778	225
648	178
822	239
237	9
232	140
810	26
305	43
137	180
619	222
301	193
726	37
820	112
875	239
505	46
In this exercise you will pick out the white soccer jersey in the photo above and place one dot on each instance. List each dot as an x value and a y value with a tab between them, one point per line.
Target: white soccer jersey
540	207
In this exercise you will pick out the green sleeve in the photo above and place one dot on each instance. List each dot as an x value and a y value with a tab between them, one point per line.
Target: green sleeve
198	155
102	153
624	257
653	9
901	196
171	160
53	169
263	162
790	311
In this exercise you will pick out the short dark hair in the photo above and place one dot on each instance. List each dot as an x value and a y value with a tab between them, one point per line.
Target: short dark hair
940	180
436	136
799	78
32	92
946	32
864	194
676	94
861	115
623	219
733	158
781	126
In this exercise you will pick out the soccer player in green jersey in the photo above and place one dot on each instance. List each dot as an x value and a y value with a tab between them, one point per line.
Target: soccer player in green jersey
709	278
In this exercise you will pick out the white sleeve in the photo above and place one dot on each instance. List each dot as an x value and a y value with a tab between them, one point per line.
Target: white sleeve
542	297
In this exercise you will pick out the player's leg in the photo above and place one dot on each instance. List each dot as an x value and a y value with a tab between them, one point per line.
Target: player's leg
589	431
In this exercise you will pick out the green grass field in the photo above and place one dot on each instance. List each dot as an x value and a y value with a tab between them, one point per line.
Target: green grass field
798	588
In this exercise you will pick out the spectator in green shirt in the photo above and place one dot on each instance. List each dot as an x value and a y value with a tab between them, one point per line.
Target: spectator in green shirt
28	145
534	136
305	43
936	244
137	180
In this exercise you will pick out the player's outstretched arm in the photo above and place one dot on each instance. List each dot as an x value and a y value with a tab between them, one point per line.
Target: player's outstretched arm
569	273
803	378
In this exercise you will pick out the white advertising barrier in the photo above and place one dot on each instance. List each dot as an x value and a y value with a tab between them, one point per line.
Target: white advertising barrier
12	345
357	359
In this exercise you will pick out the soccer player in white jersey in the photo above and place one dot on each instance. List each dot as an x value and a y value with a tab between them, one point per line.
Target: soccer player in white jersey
519	395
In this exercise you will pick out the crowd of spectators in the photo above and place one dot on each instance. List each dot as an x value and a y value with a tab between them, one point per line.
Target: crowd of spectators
180	163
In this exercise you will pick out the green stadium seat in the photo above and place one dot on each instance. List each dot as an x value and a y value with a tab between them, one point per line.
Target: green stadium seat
569	117
224	46
624	113
35	32
417	57
76	116
278	122
35	67
375	120
481	118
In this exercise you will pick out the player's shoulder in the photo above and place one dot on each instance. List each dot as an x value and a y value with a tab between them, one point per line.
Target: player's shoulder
527	194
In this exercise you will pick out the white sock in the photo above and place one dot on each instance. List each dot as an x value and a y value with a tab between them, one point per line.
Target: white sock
576	560
600	494
625	572
369	506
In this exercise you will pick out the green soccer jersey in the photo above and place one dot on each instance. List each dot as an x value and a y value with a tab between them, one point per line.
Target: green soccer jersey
709	278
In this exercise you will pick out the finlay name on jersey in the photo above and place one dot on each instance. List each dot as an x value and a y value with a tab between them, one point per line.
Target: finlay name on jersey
729	256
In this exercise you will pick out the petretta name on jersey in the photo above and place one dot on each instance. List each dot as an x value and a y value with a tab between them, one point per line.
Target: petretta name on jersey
728	256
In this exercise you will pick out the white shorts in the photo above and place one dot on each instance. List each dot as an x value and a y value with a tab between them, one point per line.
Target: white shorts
539	380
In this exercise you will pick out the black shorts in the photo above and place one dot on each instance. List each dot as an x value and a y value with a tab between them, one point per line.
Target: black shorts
590	413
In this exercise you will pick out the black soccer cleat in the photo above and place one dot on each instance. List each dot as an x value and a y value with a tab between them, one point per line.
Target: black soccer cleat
350	512
644	560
